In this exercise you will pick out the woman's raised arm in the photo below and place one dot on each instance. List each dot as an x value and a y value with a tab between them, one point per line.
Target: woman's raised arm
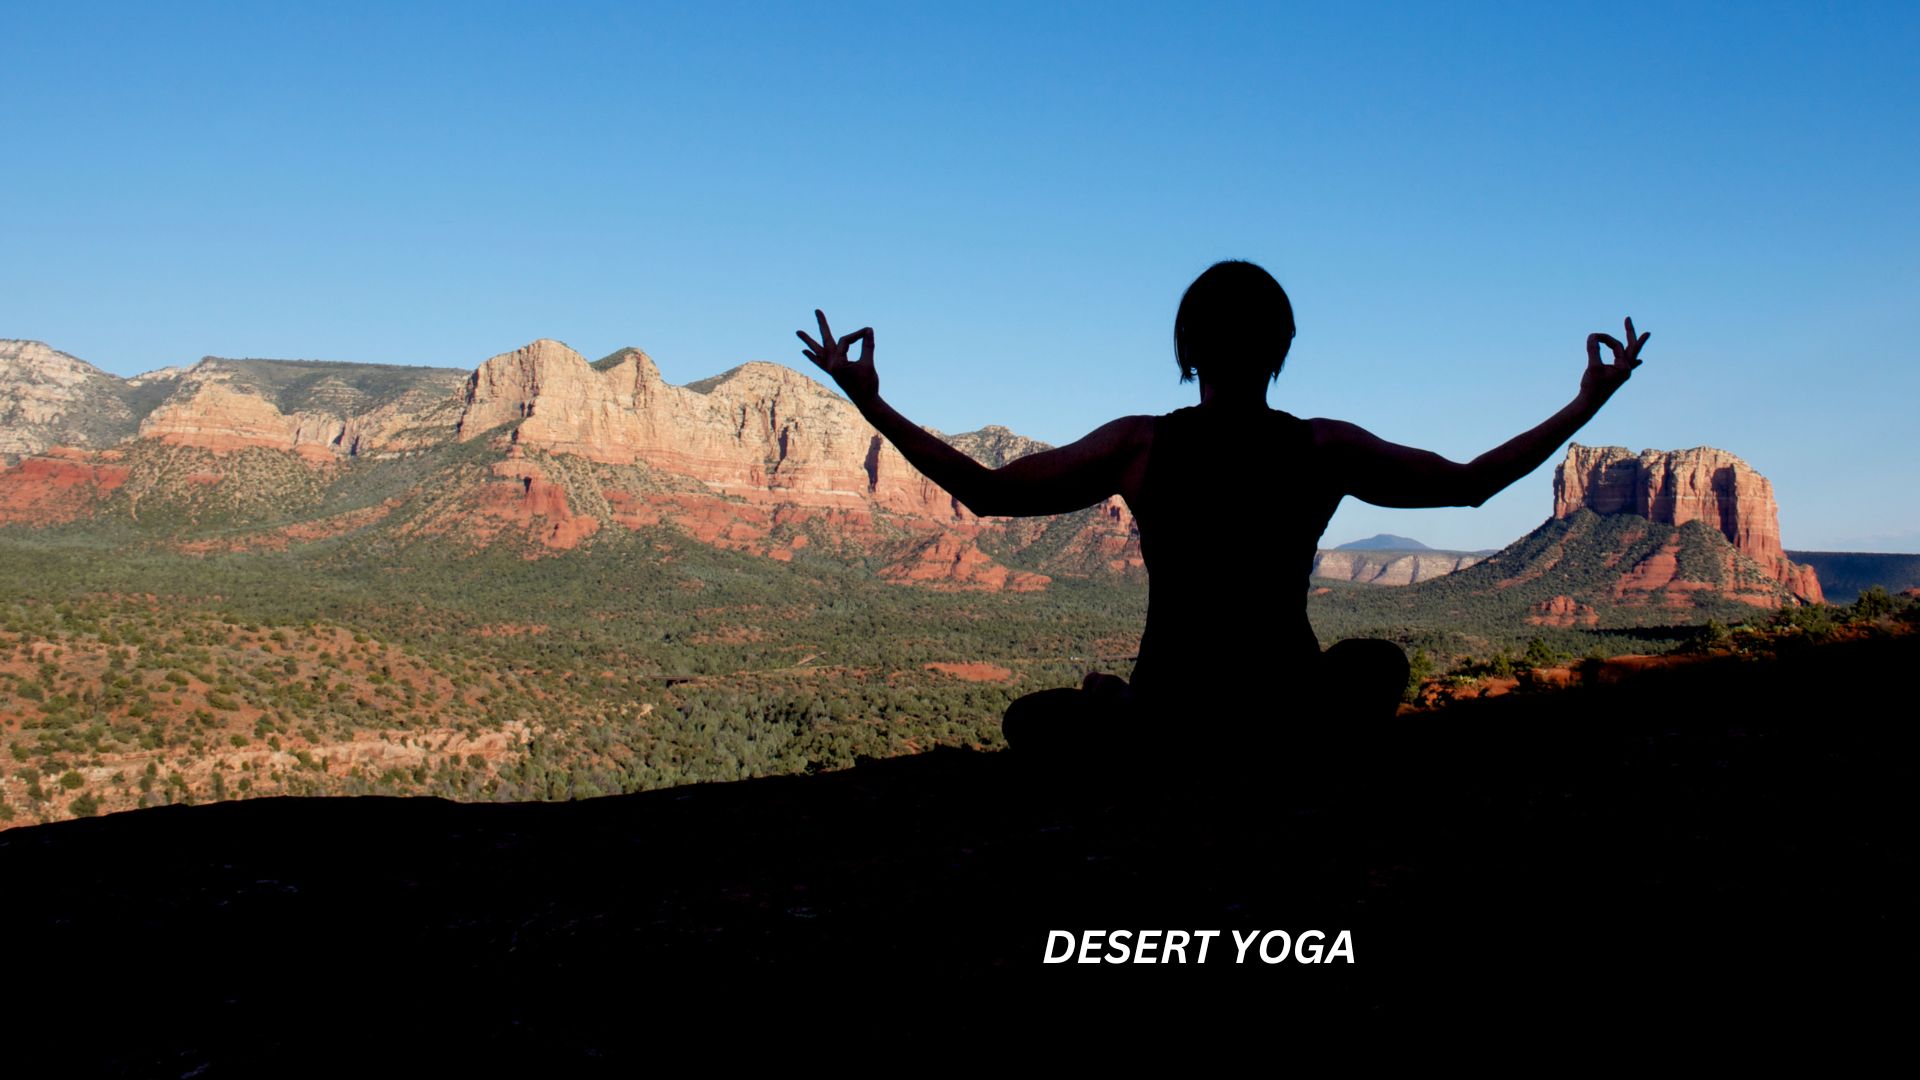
1051	482
1388	474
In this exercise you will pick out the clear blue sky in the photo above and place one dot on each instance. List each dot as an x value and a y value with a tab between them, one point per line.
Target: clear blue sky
1014	198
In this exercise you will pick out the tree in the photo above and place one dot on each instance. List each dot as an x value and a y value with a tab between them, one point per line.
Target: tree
1872	604
1419	668
1540	654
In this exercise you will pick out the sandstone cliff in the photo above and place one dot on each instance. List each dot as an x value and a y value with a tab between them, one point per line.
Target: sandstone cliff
760	431
318	410
1376	567
1674	487
770	451
48	398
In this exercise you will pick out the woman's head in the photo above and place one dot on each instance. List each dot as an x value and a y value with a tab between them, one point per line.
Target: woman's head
1234	326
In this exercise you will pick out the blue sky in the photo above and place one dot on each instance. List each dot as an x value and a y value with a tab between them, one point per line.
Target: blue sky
1014	197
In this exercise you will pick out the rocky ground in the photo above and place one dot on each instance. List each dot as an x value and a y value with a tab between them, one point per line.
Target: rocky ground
1728	838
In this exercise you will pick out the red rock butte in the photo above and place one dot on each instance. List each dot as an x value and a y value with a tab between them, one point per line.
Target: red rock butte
1674	487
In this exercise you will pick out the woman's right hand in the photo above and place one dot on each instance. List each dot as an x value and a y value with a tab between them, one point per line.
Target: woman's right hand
856	378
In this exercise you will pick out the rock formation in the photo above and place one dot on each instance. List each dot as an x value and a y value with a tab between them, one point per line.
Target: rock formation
1374	567
760	431
48	398
993	445
302	406
952	559
1674	487
212	414
1563	610
758	459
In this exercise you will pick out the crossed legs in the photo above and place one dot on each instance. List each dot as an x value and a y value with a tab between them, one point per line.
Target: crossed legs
1356	682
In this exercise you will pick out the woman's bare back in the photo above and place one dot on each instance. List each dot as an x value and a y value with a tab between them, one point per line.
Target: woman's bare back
1230	514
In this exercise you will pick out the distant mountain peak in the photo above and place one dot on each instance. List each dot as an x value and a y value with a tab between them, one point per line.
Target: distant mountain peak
1384	542
994	445
25	359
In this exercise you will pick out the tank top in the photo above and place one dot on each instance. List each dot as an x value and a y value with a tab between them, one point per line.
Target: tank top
1231	511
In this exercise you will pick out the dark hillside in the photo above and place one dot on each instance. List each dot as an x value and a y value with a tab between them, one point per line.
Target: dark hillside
1846	574
1727	838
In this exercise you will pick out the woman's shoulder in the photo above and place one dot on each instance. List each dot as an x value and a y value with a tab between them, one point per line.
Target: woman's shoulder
1293	423
1165	424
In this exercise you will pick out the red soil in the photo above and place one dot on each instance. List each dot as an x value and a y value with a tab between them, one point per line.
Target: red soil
972	672
55	487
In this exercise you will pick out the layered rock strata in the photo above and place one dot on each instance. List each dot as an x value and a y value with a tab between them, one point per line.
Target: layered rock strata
1372	567
760	431
1674	487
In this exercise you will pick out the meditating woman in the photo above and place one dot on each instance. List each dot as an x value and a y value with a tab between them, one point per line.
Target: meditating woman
1230	497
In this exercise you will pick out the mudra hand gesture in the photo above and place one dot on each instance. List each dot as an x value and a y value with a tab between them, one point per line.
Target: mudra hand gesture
855	377
1604	378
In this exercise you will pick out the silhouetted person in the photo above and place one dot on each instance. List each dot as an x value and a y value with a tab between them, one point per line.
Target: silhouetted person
1231	497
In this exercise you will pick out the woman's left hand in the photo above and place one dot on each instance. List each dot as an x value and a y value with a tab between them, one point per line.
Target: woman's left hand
856	378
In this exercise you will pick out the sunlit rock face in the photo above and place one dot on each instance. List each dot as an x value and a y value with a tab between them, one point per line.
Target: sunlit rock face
48	398
1674	487
761	431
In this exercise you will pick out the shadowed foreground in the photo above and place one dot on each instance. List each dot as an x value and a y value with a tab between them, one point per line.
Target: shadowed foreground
1731	836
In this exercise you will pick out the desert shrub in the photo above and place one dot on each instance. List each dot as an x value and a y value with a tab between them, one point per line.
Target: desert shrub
1815	621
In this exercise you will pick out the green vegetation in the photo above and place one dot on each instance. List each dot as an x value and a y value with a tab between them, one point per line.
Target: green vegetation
1873	604
613	359
339	388
650	661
